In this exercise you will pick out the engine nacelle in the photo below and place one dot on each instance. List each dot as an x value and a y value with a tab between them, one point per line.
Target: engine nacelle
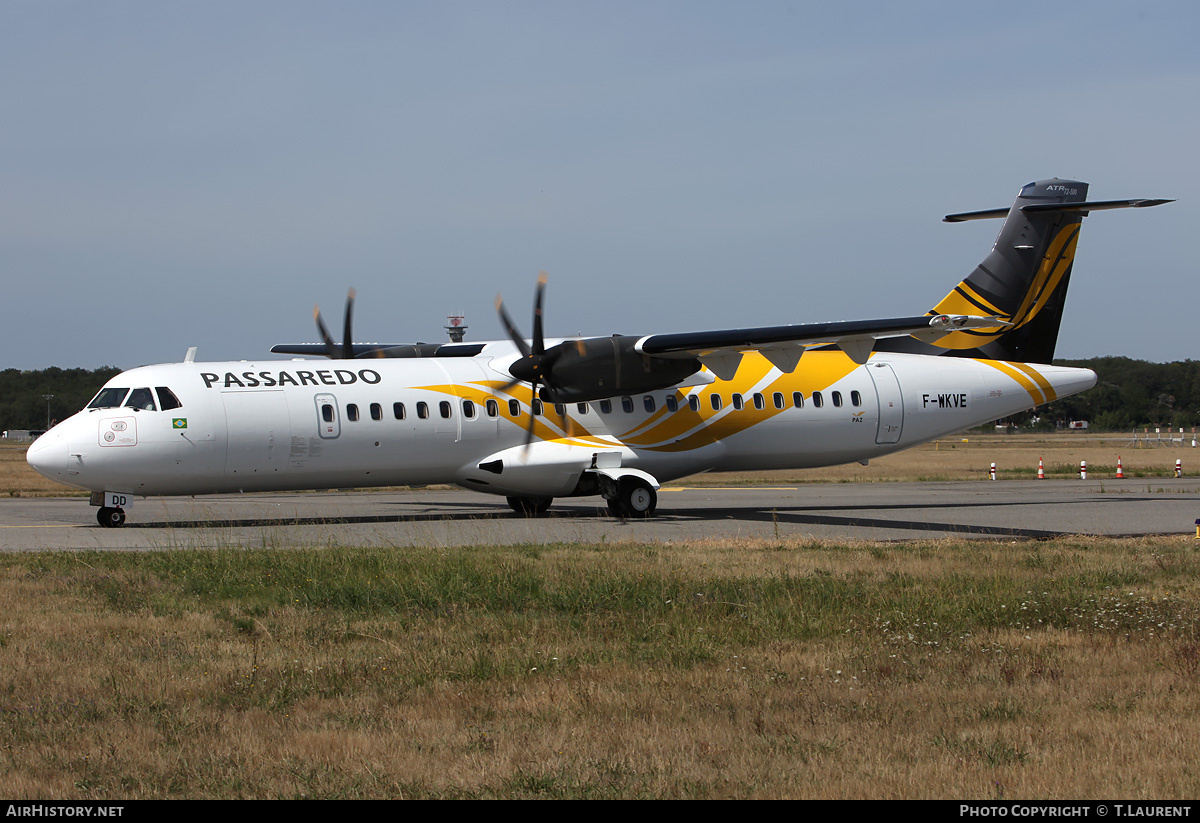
544	469
600	367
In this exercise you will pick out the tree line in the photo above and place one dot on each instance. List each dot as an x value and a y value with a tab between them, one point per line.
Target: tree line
1129	394
23	403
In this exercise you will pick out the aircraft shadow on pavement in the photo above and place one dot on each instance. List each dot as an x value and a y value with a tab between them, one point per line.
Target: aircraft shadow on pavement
822	515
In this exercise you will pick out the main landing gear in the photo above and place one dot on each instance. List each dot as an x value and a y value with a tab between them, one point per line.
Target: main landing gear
529	506
630	499
634	498
110	518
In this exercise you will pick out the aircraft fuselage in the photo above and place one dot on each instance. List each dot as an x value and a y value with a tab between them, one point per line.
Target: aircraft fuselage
289	425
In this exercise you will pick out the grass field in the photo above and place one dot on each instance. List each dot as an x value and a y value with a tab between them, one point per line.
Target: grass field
729	669
1062	669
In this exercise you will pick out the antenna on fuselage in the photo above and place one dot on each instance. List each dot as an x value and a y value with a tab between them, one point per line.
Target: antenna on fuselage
190	357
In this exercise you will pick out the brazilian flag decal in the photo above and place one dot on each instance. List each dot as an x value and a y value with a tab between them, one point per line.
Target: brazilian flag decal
179	422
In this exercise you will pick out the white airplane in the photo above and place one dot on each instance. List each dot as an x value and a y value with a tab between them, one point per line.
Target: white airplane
609	416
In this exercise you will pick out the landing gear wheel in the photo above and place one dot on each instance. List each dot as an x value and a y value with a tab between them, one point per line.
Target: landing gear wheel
529	506
110	518
635	499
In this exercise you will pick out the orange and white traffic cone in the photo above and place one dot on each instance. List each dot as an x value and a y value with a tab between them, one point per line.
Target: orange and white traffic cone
1041	470
1120	471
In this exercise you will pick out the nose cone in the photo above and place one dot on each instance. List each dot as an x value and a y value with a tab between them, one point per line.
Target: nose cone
48	455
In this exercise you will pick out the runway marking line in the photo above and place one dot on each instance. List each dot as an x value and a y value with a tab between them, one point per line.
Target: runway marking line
56	526
729	488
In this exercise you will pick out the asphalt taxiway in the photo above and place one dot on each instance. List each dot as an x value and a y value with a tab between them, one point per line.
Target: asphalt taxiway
1013	510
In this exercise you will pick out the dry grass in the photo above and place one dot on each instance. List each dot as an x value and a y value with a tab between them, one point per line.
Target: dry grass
969	457
18	480
1062	669
963	457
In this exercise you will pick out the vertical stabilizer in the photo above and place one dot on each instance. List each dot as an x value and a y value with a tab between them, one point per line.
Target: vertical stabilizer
1023	281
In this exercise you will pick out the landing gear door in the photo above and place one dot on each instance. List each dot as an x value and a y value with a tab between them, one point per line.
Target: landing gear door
891	404
329	425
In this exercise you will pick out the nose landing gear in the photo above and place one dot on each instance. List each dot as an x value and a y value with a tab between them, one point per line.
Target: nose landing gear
110	518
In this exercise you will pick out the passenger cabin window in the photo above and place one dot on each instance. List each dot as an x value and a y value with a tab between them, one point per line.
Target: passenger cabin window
759	402
536	407
560	409
797	400
605	406
352	412
818	401
855	398
167	399
514	408
694	402
398	411
648	402
778	398
581	407
444	409
737	402
716	402
468	409
837	399
627	405
108	398
423	410
493	408
140	399
376	411
327	413
672	403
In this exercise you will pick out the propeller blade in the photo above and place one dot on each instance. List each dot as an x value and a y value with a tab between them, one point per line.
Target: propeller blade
532	422
511	328
539	342
347	338
331	348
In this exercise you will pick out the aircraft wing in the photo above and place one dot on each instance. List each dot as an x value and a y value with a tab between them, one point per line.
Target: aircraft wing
722	350
383	349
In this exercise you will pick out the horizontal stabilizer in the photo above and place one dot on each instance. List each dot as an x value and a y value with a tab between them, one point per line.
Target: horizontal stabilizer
1082	208
975	215
1097	205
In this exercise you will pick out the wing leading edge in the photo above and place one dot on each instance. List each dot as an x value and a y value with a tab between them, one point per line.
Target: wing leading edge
721	351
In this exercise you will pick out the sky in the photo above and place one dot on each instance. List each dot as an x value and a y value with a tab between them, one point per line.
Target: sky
202	173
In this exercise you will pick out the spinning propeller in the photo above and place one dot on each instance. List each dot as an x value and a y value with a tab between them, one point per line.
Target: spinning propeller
535	363
332	349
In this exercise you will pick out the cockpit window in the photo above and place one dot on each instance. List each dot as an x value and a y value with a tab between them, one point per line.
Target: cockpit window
108	398
140	399
167	399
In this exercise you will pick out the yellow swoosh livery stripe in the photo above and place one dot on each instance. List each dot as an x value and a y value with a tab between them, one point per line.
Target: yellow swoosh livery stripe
687	430
1044	384
1055	264
684	429
547	426
1060	255
1027	377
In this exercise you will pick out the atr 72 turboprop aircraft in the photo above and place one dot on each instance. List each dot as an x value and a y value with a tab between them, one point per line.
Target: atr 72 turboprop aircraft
609	416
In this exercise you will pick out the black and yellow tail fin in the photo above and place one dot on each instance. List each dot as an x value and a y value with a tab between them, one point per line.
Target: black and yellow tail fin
1023	280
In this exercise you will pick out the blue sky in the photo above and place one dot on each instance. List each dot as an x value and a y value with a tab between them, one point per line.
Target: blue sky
200	174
